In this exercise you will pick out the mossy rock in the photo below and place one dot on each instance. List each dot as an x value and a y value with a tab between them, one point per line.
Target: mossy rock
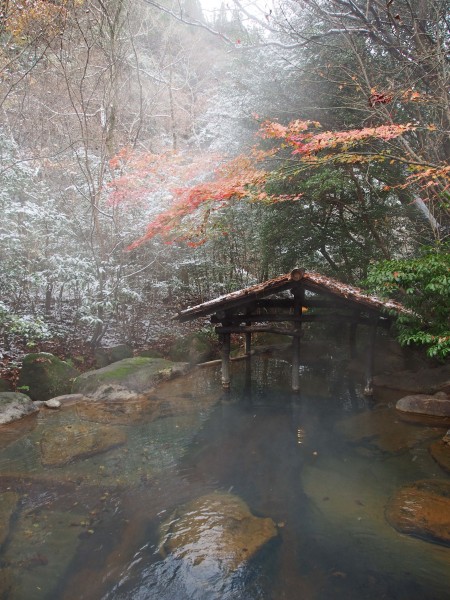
194	348
138	374
45	376
150	353
5	386
107	356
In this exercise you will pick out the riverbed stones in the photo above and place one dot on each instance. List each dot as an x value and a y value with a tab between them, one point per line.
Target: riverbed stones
8	504
381	430
426	408
215	532
137	374
61	445
422	510
45	376
14	406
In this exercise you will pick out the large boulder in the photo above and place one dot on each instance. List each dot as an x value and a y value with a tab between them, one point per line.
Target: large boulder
423	381
118	407
61	445
14	406
107	356
426	408
422	510
194	348
215	533
5	386
137	374
45	376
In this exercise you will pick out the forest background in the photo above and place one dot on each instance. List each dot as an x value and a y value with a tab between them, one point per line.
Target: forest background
155	155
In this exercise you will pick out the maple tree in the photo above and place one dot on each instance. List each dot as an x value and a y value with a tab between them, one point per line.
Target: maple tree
309	147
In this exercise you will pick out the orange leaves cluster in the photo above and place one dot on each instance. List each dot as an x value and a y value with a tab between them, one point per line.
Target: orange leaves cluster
430	177
305	142
138	174
35	18
234	180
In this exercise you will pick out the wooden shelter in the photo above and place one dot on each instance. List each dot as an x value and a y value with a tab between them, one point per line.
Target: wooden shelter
283	304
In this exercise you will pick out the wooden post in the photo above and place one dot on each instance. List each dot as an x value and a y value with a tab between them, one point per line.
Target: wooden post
298	298
370	359
225	352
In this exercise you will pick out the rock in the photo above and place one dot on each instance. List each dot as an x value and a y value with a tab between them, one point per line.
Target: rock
120	409
195	348
6	583
150	353
68	399
137	374
46	376
422	510
424	381
215	532
440	451
63	444
427	408
53	403
107	356
8	504
381	430
5	386
14	406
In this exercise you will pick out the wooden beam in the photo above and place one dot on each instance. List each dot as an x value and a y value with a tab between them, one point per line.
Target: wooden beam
255	329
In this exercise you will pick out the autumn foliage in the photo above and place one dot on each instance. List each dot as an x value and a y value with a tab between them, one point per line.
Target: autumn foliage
246	176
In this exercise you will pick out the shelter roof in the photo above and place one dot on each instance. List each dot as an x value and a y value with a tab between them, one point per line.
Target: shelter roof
312	282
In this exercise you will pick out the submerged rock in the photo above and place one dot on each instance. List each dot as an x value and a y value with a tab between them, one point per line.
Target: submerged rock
440	451
46	376
8	504
381	430
14	406
137	374
425	407
422	510
64	444
216	532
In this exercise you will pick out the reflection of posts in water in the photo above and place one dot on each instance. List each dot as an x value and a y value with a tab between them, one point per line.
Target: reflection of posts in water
299	295
352	339
248	377
370	359
225	353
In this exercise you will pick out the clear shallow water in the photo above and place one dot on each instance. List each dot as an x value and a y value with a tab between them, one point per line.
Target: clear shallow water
90	529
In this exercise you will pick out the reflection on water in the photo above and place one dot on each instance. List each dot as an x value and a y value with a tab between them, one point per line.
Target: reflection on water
318	464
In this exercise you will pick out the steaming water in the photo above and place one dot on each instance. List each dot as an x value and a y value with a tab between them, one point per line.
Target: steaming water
90	529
